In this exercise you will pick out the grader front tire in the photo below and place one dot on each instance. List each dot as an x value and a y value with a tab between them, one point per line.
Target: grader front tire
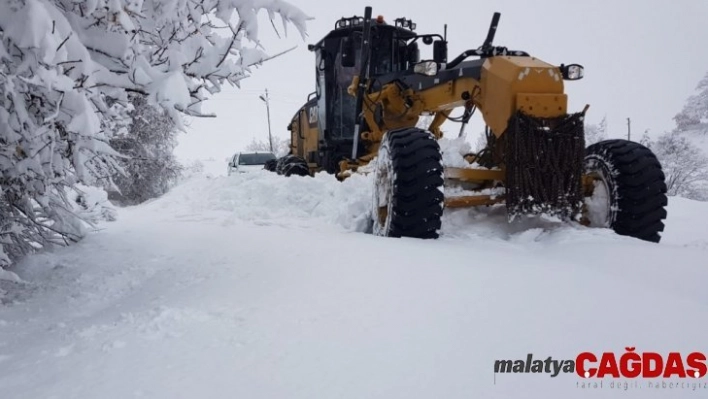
408	197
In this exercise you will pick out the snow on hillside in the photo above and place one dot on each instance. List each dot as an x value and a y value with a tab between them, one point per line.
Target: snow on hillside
258	286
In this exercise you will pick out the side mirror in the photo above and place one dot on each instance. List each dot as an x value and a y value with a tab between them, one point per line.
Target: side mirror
348	53
440	51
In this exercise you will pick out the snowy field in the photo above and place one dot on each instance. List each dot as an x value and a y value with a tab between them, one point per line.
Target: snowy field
258	286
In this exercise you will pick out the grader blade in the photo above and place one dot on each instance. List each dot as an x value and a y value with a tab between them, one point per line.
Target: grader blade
544	165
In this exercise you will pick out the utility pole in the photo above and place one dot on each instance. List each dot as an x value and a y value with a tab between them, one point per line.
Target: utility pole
266	100
629	129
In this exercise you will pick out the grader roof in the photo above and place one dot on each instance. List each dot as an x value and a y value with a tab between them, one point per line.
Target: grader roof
346	26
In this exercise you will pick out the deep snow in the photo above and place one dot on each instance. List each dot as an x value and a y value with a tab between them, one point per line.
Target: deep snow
258	286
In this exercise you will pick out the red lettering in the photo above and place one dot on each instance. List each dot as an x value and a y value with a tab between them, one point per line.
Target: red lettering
647	370
674	366
630	364
697	363
580	365
608	365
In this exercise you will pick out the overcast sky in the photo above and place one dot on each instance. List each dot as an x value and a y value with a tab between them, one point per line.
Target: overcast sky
642	60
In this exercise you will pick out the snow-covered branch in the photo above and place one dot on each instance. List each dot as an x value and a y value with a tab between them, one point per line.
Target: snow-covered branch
67	68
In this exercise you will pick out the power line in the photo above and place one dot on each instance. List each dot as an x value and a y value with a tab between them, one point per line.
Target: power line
266	100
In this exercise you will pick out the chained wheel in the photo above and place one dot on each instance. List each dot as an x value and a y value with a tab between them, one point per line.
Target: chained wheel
629	189
408	185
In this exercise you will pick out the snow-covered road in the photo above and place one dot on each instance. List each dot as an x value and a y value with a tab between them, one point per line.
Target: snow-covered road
263	287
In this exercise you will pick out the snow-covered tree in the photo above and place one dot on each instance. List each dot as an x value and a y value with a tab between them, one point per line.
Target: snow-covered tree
149	167
694	115
66	68
595	133
684	164
646	141
280	146
602	126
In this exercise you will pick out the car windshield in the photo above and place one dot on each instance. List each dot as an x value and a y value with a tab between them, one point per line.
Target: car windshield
255	159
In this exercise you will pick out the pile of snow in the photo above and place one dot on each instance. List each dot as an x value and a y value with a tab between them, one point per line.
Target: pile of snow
454	150
91	204
265	198
254	286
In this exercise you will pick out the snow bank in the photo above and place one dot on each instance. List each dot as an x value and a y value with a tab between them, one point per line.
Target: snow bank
686	223
265	198
214	290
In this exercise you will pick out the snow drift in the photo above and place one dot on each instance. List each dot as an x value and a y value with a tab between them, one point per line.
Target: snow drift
260	286
264	198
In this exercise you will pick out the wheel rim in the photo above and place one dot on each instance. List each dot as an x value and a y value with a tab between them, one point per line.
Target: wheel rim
383	192
599	204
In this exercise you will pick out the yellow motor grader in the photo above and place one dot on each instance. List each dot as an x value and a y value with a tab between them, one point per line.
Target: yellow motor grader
372	88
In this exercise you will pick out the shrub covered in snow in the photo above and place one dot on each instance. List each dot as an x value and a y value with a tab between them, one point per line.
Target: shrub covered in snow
193	168
149	167
92	205
66	68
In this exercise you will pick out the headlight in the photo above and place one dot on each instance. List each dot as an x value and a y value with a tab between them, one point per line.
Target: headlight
572	71
428	68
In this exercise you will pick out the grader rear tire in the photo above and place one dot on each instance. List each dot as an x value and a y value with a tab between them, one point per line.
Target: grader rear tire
630	189
408	175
